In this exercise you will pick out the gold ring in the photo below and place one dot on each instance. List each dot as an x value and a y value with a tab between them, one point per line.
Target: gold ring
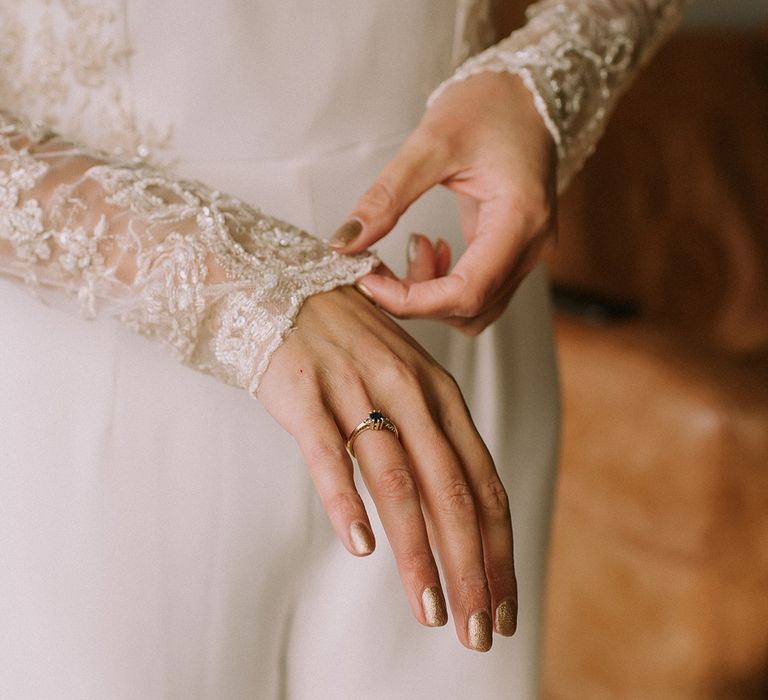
375	420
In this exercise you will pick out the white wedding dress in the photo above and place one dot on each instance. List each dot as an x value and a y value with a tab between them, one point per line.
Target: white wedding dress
159	534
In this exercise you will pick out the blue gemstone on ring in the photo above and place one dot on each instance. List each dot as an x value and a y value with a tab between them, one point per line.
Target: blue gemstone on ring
376	416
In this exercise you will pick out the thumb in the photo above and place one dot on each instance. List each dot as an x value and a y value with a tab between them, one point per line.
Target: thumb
414	169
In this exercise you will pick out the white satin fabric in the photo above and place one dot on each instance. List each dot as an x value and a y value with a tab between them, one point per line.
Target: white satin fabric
159	535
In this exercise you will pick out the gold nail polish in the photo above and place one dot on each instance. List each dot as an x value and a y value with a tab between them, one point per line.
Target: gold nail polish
433	603
413	248
506	617
362	538
346	233
479	631
364	290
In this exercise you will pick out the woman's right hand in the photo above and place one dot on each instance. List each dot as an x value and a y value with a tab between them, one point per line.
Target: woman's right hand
435	489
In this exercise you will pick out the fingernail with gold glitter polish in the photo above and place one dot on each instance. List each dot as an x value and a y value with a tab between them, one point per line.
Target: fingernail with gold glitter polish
346	233
479	631
413	248
506	617
433	603
362	538
364	290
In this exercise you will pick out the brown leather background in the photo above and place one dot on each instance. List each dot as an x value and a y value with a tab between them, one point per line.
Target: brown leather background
672	210
659	561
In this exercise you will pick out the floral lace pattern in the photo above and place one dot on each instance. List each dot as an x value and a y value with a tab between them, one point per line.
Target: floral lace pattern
213	279
66	63
122	236
577	57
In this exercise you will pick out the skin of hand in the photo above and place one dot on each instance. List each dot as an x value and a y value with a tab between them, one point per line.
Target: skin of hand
436	489
484	140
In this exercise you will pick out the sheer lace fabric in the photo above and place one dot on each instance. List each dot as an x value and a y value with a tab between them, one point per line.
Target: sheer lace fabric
577	57
66	63
213	279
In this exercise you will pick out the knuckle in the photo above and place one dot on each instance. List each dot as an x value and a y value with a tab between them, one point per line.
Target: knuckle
399	373
469	586
418	563
343	503
493	499
455	498
346	370
536	208
396	484
379	197
500	574
447	383
472	302
343	377
326	455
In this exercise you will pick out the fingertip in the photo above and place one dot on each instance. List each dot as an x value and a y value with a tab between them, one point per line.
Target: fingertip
346	234
369	233
375	215
372	284
361	539
377	283
363	289
506	617
381	290
479	631
433	607
421	258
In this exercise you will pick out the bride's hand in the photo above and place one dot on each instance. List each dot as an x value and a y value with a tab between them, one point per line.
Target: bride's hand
437	484
484	140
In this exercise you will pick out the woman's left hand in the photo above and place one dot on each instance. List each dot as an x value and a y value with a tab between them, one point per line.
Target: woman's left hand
435	486
484	140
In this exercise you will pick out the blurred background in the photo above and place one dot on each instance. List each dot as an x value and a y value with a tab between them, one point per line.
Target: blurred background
659	563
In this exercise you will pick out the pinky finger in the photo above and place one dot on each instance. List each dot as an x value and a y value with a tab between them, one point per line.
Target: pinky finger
332	473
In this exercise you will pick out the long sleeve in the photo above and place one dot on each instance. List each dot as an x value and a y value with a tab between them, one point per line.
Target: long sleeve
213	279
577	57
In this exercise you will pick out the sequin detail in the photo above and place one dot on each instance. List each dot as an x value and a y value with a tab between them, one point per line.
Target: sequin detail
66	63
135	242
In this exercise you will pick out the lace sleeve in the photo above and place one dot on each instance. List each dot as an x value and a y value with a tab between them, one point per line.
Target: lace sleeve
213	279
577	57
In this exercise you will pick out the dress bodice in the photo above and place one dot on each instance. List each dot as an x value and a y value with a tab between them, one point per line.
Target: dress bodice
267	80
291	79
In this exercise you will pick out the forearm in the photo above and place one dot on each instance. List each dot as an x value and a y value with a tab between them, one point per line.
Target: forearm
215	280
